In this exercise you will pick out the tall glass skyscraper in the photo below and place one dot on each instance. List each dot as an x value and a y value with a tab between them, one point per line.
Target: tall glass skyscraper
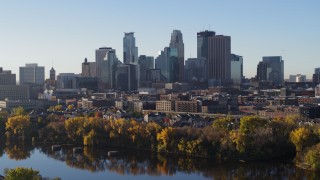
202	43
130	51
177	43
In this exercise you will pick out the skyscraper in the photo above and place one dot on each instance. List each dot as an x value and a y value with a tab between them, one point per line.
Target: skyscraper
316	76
196	70
271	68
177	43
219	56
106	64
168	63
130	51
146	63
100	56
31	73
202	43
126	77
52	74
236	69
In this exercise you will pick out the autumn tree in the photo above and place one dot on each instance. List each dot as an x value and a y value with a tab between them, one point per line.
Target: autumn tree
18	111
166	140
303	137
18	125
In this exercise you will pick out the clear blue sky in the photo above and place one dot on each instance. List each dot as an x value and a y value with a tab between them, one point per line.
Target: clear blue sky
63	32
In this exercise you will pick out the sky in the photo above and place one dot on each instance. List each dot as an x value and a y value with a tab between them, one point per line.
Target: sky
62	33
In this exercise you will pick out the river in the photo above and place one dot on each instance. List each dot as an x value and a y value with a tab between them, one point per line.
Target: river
127	164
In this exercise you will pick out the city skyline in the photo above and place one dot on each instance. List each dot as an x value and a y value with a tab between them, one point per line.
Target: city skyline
51	33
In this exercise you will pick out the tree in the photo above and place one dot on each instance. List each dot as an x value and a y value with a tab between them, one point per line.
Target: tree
166	140
312	157
21	173
70	107
302	137
75	128
19	111
18	125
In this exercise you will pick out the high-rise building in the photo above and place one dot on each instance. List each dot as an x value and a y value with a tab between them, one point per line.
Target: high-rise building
219	57
316	76
236	69
146	63
65	80
7	78
130	51
168	63
106	64
154	75
126	77
31	74
271	68
100	56
297	78
52	74
88	69
196	70
177	43
202	43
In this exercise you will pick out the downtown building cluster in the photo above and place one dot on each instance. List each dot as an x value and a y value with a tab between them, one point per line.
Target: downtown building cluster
212	82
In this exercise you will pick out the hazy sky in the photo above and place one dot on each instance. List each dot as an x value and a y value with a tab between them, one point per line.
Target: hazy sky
63	32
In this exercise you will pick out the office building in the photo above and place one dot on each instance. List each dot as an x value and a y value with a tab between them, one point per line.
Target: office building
168	63
202	43
219	57
14	92
127	77
236	69
106	64
196	70
100	57
7	78
146	63
65	80
153	75
130	51
297	78
271	68
52	74
316	76
88	69
31	73
176	42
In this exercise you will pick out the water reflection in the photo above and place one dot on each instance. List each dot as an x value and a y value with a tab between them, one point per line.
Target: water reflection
131	162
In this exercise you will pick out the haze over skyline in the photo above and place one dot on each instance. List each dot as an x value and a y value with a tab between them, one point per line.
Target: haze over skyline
62	33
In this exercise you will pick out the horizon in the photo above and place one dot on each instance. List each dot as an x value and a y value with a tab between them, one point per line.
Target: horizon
51	34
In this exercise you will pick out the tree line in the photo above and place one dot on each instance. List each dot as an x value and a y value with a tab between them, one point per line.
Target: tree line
250	138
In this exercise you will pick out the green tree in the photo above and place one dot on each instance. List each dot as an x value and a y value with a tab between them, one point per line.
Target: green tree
20	173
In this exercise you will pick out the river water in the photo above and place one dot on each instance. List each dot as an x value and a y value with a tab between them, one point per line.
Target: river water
127	164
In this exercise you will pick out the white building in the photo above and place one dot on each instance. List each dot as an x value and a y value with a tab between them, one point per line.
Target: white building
297	78
31	73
